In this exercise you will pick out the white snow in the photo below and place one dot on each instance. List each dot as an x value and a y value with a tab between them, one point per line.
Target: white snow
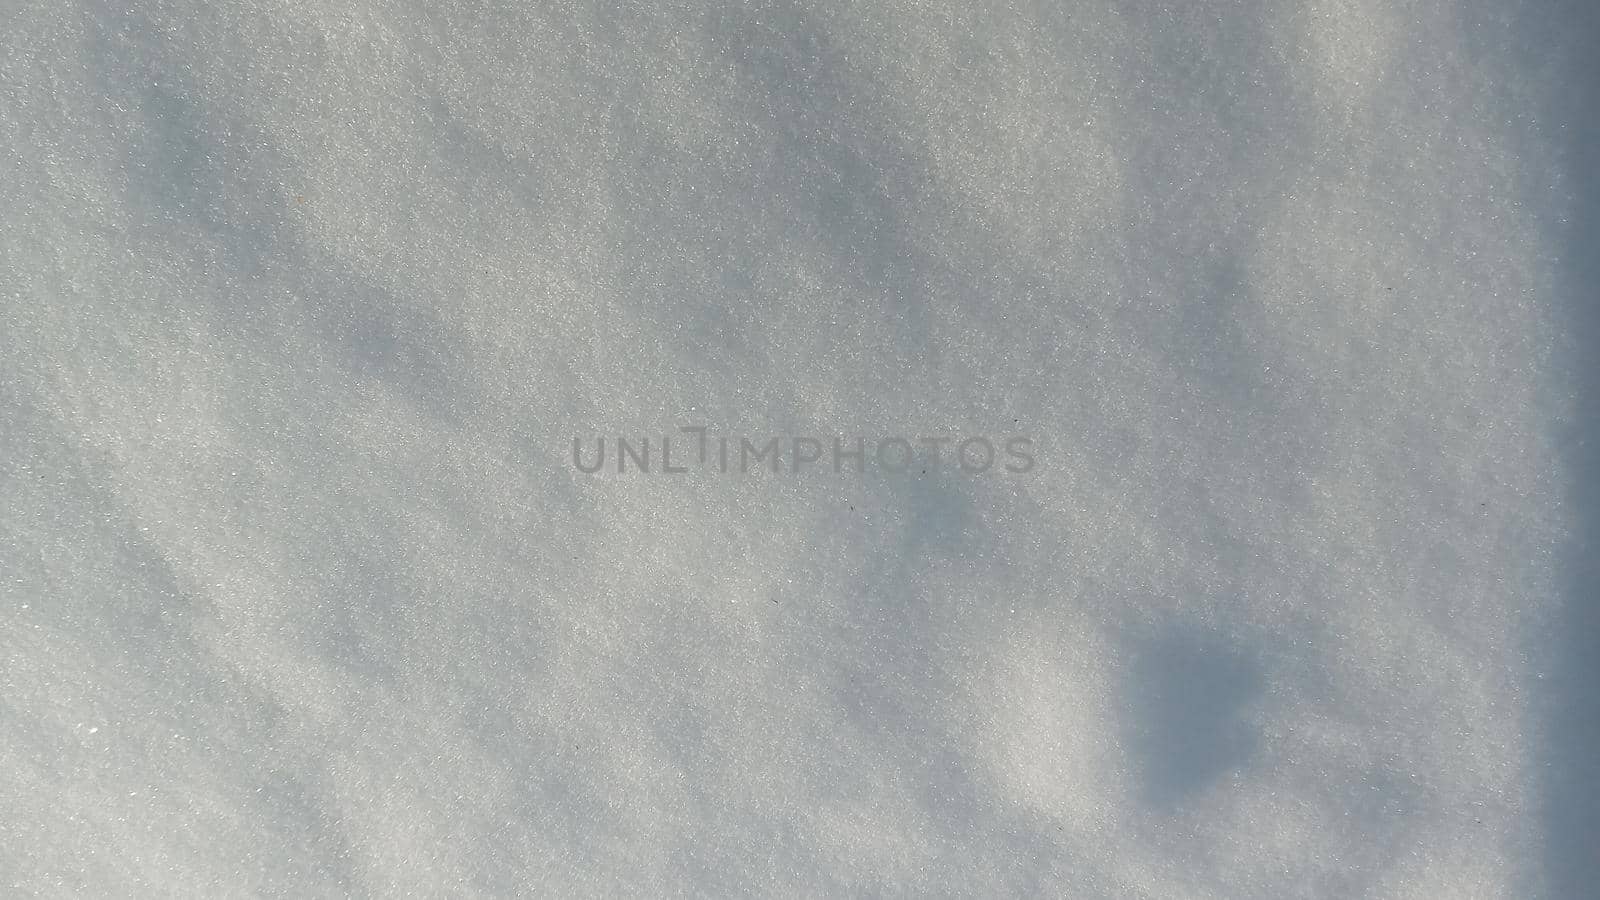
303	303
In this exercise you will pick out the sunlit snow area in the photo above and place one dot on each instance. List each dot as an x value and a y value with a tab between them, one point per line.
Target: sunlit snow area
303	304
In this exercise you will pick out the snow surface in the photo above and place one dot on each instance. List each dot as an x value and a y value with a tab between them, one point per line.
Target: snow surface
302	304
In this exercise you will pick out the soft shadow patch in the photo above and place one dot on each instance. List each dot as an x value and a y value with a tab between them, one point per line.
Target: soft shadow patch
1189	695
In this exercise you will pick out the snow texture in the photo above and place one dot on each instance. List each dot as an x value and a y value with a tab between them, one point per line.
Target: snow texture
303	302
